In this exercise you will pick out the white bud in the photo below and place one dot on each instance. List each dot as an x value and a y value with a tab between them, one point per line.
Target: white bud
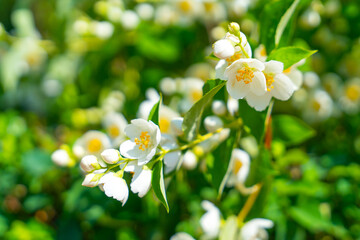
218	107
129	20
233	106
91	180
110	156
189	160
89	163
212	123
223	49
176	125
168	86
61	158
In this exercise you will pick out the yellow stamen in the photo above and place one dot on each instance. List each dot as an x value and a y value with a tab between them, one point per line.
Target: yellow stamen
196	94
144	141
269	81
234	57
263	52
353	93
94	145
237	166
185	6
245	74
164	124
113	131
208	6
288	70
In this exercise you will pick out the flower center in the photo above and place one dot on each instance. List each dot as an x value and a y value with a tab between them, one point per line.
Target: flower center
316	105
185	6
94	145
164	124
353	93
245	74
208	6
144	141
269	81
263	52
196	95
234	57
237	165
113	131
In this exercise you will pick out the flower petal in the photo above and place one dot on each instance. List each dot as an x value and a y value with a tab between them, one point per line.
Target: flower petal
129	149
258	102
258	84
237	90
141	181
274	67
283	87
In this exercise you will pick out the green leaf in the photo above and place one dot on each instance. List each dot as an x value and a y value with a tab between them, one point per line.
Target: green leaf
284	21
230	229
291	130
36	162
210	84
220	168
254	120
269	21
193	116
158	184
35	202
289	55
154	113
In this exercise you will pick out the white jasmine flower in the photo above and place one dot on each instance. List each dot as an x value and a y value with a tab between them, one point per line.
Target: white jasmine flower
89	163
168	86
311	79
223	49
170	159
152	97
210	221
176	126
213	11
115	187
319	106
103	30
218	107
245	76
181	236
91	143
144	137
255	229
166	115
115	123
332	84
192	90
141	181
145	11
260	53
166	15
278	86
213	123
310	19
350	101
61	158
129	20
189	160
110	156
240	161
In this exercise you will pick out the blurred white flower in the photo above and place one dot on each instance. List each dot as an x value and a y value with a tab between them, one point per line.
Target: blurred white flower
319	106
115	123
232	105
210	221
91	143
168	86
240	161
115	187
181	236
171	159
145	11
310	19
260	53
129	20
144	137
255	229
350	99
213	123
61	158
114	102
166	15
103	30
311	79
192	90
166	115
189	160
176	126
218	107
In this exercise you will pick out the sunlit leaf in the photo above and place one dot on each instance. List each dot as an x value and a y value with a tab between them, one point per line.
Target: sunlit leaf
158	184
290	55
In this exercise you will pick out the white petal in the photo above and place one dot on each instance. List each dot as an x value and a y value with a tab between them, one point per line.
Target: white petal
129	149
254	63
296	77
141	181
258	102
258	84
171	160
220	69
283	87
274	67
237	90
223	49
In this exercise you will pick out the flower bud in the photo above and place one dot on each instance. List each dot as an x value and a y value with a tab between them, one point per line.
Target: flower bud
223	49
176	125
190	160
218	107
91	180
212	123
234	28
61	158
89	163
110	156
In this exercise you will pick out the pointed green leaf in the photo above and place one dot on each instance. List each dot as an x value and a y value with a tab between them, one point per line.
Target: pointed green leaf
291	130
284	21
193	117
154	113
210	84
158	185
289	55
